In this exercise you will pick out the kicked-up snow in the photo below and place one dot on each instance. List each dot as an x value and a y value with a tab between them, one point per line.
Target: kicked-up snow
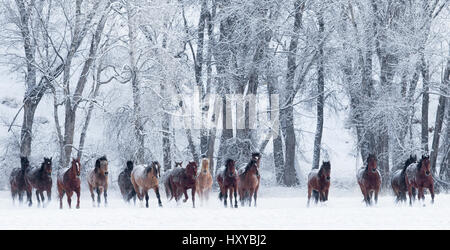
278	208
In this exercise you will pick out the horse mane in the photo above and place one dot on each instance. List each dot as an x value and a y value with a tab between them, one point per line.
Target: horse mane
249	165
205	162
227	164
408	162
24	163
419	165
367	161
98	162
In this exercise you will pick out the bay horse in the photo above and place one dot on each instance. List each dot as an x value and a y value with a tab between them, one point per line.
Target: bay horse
125	185
98	180
249	183
17	180
228	181
179	180
418	176
145	177
369	180
319	182
68	182
40	179
398	181
204	181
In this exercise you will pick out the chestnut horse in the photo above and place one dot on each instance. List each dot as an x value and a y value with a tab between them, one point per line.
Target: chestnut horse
398	181
98	180
68	182
125	185
144	178
40	179
319	182
418	176
17	181
249	183
204	181
369	180
179	180
228	181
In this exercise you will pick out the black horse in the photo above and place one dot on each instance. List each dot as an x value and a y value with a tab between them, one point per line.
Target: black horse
125	185
40	178
398	182
17	180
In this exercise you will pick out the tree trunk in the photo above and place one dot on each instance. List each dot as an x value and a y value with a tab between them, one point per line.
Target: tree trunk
425	102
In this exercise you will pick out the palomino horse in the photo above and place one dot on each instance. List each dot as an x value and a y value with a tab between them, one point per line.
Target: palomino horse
40	179
125	185
319	182
98	180
204	181
179	180
68	182
228	181
369	180
249	183
398	181
144	178
418	176
17	180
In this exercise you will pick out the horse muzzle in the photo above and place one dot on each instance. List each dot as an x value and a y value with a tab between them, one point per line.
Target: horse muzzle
374	170
106	173
328	178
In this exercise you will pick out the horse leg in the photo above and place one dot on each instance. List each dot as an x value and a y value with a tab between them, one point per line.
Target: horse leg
146	198
105	195
78	198
158	196
225	197
69	198
376	196
38	198
193	196
29	196
235	197
255	195
61	195
49	195
431	188
309	195
91	189
250	197
99	192
185	194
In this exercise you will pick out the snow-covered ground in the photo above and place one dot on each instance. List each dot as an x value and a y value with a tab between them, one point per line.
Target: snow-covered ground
278	208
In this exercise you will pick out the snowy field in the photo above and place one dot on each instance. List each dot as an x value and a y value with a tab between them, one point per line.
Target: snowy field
278	208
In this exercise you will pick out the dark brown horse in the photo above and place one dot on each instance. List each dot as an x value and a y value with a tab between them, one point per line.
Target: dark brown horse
125	185
369	180
228	181
98	180
418	176
17	181
68	182
179	180
319	182
398	181
249	183
41	180
144	178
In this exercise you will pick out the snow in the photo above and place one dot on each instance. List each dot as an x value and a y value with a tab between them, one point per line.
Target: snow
278	208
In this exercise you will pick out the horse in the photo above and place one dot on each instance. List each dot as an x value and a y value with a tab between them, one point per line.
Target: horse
98	180
319	182
179	180
418	176
68	182
17	181
125	185
398	181
41	180
249	183
204	181
369	180
145	177
228	181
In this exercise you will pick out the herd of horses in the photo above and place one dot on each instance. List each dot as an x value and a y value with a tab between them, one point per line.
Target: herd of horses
135	181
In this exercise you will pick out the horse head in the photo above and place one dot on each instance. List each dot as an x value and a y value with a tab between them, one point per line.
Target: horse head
130	166
24	163
325	170
424	165
191	169
76	166
101	166
371	163
46	166
205	165
153	169
230	169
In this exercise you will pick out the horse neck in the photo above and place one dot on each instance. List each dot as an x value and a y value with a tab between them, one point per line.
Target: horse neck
71	172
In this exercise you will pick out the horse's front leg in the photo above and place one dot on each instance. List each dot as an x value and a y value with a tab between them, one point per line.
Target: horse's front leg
38	198
78	198
99	192
146	198
326	194
431	188
29	197
376	196
185	194
235	197
193	196
225	197
158	196
69	198
105	194
49	195
91	189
